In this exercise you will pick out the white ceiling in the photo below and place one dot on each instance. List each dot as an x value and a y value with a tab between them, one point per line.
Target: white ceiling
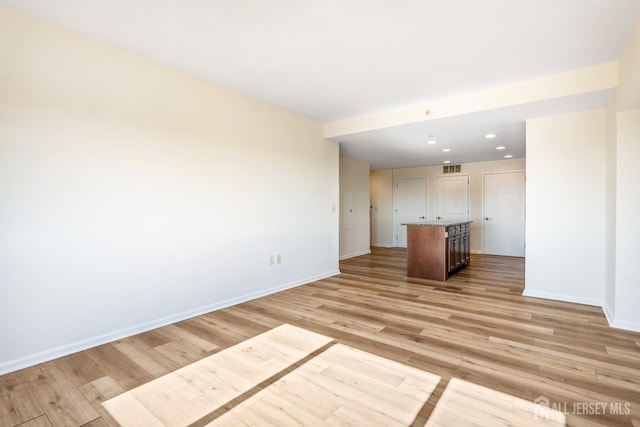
335	59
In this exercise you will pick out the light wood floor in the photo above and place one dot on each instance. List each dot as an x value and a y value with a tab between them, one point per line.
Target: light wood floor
477	328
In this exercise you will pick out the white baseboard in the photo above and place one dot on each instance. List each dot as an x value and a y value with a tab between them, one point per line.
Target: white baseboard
628	326
559	297
355	254
607	313
619	324
74	347
382	245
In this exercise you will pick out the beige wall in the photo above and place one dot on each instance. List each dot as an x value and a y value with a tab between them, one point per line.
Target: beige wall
382	183
354	208
132	195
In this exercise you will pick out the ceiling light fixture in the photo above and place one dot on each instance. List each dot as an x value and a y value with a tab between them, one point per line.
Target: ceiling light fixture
508	156
501	147
446	150
447	161
490	135
432	141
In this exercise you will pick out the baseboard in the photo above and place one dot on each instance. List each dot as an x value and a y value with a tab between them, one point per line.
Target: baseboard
608	313
618	324
65	350
355	254
628	326
559	297
382	245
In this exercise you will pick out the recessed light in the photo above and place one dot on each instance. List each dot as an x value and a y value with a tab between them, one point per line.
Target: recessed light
446	150
508	156
490	135
447	161
432	141
501	147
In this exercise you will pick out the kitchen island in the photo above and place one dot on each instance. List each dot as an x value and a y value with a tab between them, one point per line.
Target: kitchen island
436	249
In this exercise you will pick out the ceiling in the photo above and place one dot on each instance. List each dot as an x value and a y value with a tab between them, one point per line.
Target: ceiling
332	60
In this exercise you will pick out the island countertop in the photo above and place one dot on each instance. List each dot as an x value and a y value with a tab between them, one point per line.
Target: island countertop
437	223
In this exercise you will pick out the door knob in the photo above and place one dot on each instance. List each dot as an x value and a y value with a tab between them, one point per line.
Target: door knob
487	218
421	217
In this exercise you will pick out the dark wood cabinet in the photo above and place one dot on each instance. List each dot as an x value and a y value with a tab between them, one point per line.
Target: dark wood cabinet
451	253
435	250
458	246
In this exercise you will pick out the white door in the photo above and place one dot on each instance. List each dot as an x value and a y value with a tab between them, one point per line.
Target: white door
504	213
452	198
411	205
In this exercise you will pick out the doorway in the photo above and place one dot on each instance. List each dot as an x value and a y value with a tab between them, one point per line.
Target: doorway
452	198
504	213
410	206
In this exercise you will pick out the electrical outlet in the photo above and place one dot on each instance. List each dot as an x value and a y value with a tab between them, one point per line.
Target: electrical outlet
279	259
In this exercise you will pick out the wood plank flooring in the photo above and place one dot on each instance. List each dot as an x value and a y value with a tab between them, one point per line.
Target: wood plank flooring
465	403
340	386
190	393
476	327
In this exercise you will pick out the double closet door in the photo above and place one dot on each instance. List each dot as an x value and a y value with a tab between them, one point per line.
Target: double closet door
410	199
502	223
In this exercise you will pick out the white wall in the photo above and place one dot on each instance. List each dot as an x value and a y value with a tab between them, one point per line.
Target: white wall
382	184
354	208
132	195
610	212
624	312
565	253
382	208
628	91
627	276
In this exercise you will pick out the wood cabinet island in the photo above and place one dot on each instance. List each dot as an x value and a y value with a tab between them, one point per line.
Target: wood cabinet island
436	249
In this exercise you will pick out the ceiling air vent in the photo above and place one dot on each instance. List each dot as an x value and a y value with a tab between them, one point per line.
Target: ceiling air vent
451	168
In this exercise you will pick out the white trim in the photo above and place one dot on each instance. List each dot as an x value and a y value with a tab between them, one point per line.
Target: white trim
559	297
629	326
355	254
608	313
382	245
64	350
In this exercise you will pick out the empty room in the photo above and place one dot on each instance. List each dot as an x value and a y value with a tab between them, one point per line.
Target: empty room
319	213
